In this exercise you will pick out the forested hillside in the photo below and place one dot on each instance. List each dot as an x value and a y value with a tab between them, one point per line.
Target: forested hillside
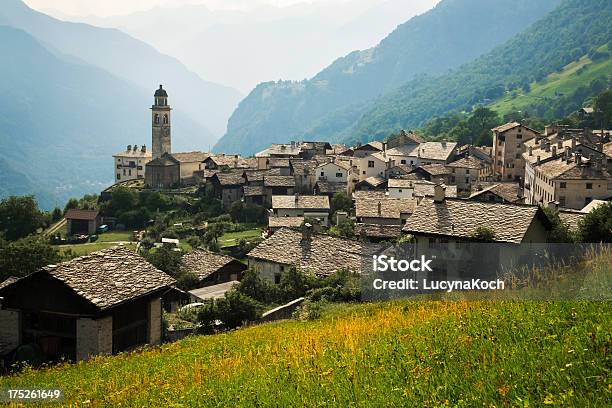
453	33
576	28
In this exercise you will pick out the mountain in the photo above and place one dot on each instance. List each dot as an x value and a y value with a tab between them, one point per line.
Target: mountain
206	103
451	34
573	30
62	120
245	47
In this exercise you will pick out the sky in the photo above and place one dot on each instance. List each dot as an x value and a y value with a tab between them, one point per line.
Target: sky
105	8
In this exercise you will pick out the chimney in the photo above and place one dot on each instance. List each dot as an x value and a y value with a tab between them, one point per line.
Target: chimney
538	160
549	130
306	233
573	143
547	146
135	147
568	154
600	146
439	193
379	208
597	163
144	148
554	151
531	150
129	148
578	157
560	143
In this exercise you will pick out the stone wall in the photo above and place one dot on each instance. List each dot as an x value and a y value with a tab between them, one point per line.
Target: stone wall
94	337
155	321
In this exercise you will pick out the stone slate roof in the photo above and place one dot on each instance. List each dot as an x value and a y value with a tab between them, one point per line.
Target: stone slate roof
85	215
204	263
278	162
374	145
593	205
378	231
110	277
506	127
279	181
322	255
326	187
561	169
301	202
303	167
424	188
285	222
460	219
281	150
467	163
232	178
253	191
400	183
316	146
374	181
9	281
191	157
383	207
229	160
435	169
507	191
428	150
607	149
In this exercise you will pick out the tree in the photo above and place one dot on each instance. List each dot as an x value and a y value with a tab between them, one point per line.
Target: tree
56	214
596	226
233	310
560	231
166	259
19	217
603	109
345	228
25	256
341	202
122	199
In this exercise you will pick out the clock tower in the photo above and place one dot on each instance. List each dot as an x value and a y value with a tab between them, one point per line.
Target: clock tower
162	140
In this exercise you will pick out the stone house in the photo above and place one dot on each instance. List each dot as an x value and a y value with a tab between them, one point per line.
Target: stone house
130	164
423	153
304	174
103	303
367	149
315	207
374	165
312	149
508	148
376	209
225	162
317	254
433	172
404	138
287	150
82	222
503	193
212	268
189	163
277	185
375	183
228	186
446	228
467	172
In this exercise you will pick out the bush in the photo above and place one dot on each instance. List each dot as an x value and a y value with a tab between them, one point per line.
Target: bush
309	310
233	311
596	226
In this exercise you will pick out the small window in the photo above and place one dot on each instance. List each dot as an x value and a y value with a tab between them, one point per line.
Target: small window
322	174
371	163
400	190
118	176
277	278
339	175
403	161
589	186
563	185
467	171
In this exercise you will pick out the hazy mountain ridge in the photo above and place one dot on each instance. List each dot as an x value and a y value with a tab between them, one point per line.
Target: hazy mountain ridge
207	103
431	43
60	121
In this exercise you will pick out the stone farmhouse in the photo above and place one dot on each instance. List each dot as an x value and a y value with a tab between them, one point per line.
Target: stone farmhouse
315	207
212	268
103	303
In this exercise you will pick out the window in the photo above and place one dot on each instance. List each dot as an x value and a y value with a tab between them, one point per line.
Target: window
518	156
118	166
519	136
118	176
156	120
165	119
403	161
467	180
452	179
364	172
563	185
322	174
277	278
587	200
339	175
129	172
467	171
453	171
371	163
589	186
562	201
399	190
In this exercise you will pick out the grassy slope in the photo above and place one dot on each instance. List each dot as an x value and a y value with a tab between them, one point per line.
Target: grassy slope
564	82
233	238
397	353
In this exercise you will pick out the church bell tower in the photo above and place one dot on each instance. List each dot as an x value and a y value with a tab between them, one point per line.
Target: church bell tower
162	140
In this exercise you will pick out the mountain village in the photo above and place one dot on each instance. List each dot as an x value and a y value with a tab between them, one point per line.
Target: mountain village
436	192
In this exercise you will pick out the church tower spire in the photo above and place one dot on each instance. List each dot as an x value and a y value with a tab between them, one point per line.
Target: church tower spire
162	140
